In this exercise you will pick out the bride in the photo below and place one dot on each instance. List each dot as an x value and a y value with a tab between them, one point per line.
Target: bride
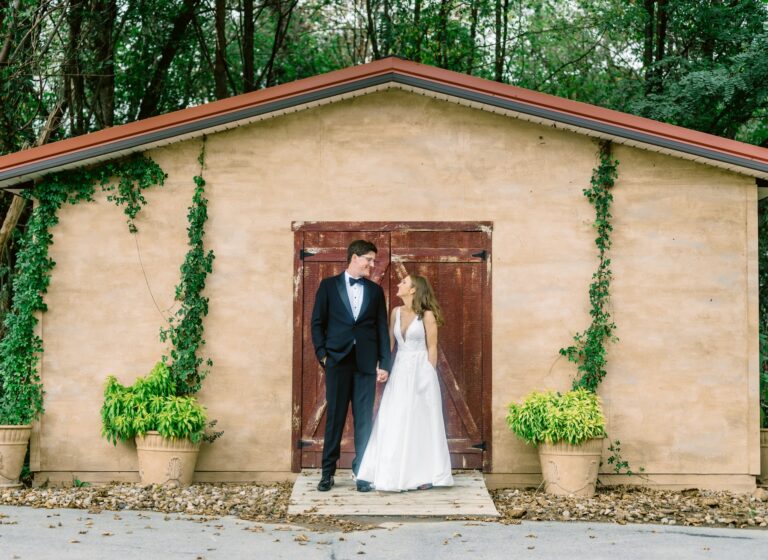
408	449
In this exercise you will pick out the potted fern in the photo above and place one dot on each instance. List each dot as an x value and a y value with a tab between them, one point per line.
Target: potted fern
167	428
568	431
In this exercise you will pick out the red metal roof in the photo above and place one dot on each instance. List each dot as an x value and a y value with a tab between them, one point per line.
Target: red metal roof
36	161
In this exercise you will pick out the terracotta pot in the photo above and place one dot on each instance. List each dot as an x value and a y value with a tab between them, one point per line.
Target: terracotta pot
13	449
764	456
166	461
570	469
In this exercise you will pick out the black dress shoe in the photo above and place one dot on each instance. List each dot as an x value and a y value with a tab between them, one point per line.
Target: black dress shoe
363	486
326	483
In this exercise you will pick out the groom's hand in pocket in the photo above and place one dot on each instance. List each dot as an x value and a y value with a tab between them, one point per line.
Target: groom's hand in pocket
381	375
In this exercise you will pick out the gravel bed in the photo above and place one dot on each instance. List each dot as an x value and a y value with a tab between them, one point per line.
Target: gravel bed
264	502
638	504
269	503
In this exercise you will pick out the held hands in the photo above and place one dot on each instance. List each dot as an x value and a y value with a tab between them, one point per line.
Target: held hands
381	375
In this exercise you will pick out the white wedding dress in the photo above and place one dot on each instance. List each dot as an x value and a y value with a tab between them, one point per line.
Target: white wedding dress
408	447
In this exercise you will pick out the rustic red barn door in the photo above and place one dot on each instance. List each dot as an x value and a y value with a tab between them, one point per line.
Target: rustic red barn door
455	263
454	257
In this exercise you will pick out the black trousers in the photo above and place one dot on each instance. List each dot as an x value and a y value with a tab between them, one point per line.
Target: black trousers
344	384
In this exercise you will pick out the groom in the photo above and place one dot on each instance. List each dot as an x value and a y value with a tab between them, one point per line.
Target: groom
351	339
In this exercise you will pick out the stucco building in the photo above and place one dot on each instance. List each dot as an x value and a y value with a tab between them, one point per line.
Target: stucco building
476	184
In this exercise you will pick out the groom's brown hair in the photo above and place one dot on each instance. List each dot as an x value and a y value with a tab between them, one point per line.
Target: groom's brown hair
360	247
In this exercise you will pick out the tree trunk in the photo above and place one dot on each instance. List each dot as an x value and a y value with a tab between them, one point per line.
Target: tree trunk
472	37
442	32
416	52
386	31
648	44
220	64
661	41
372	30
151	101
15	210
104	82
504	36
249	74
281	31
73	76
5	51
18	203
498	62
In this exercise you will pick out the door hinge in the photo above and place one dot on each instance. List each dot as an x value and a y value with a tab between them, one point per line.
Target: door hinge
482	255
304	254
302	443
480	446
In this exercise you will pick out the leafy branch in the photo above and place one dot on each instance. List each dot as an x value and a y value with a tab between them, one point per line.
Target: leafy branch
619	464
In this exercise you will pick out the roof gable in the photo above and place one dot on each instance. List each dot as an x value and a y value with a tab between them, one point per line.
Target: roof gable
382	74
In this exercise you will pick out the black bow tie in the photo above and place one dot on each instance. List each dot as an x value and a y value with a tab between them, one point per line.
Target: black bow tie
353	281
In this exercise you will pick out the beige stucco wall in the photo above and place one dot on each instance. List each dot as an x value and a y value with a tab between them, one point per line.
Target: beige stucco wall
680	392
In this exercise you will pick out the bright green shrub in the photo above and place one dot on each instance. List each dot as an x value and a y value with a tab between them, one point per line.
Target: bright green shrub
572	417
150	404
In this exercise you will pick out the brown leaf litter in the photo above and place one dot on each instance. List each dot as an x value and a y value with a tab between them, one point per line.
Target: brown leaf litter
268	503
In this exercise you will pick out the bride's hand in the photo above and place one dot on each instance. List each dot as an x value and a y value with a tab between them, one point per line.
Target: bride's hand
381	375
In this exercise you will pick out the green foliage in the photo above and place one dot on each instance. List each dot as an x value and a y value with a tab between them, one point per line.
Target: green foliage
185	330
77	483
763	307
713	75
618	463
150	404
8	257
589	351
26	477
21	390
133	176
573	417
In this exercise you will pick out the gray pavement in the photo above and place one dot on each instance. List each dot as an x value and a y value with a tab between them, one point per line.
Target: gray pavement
38	534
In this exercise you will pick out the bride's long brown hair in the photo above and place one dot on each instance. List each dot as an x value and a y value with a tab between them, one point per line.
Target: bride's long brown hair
424	299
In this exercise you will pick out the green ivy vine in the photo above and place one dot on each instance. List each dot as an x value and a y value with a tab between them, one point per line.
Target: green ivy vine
21	391
185	330
588	350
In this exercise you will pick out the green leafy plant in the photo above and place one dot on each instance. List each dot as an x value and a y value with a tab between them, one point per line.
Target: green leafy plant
26	477
185	330
77	483
572	417
21	390
619	464
589	352
150	404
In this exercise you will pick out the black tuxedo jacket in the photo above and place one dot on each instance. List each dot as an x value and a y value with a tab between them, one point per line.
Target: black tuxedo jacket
335	331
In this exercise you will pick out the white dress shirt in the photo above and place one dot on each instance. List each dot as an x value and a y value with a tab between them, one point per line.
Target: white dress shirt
355	295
